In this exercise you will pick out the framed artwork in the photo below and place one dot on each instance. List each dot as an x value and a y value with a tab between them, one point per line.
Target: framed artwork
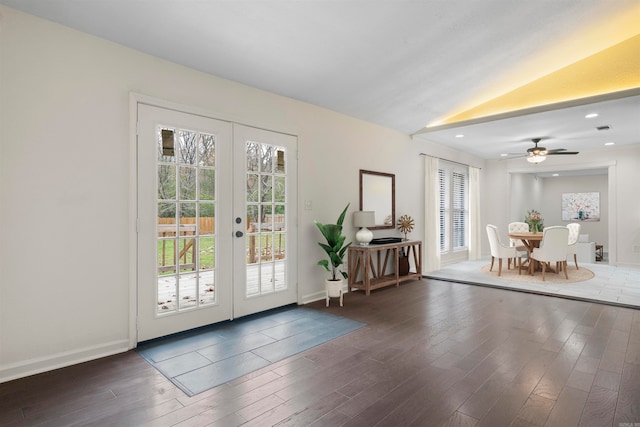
581	206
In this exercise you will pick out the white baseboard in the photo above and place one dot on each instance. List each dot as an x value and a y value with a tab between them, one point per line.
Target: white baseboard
316	296
37	365
628	264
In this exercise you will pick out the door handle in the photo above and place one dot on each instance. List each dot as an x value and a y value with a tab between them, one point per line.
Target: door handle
239	234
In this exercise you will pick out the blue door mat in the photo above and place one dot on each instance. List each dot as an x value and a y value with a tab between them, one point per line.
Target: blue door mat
203	358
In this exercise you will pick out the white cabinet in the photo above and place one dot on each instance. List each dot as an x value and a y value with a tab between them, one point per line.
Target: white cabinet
586	252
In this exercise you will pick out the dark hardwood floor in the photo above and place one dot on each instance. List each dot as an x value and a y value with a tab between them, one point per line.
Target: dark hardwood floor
433	354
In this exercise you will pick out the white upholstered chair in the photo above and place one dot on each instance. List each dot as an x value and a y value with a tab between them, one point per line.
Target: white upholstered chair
553	248
500	250
518	227
574	232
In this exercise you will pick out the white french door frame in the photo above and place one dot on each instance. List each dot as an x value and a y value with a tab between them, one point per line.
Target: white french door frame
134	100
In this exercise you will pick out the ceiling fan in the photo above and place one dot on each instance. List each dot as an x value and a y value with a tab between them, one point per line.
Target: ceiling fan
537	154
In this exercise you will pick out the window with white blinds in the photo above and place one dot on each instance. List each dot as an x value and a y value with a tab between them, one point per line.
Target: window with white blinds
454	207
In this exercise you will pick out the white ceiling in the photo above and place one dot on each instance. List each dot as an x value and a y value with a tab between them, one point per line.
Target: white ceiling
399	63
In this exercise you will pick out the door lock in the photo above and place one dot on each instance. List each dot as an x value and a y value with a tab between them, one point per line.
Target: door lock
239	234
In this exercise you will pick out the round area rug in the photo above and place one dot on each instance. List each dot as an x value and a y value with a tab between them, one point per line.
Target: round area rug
550	277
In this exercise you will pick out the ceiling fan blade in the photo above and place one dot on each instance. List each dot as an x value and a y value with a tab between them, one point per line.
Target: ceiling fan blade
510	156
562	152
555	150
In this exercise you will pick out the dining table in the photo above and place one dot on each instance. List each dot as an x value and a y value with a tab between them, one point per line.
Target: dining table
530	241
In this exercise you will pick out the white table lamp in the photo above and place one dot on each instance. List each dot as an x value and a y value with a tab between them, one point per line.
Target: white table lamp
364	219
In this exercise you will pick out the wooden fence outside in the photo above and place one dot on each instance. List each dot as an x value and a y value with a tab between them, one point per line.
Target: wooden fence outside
207	225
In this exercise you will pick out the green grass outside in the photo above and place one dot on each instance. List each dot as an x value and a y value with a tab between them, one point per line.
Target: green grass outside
207	251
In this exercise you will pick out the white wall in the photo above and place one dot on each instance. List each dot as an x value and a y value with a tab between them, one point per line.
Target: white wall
65	288
526	194
552	199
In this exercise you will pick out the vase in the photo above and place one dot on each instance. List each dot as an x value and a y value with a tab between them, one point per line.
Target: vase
403	265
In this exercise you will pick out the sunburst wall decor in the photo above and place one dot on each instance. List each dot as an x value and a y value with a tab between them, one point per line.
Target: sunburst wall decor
405	225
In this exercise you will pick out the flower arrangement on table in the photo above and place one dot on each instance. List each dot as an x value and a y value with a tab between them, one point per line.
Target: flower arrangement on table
535	221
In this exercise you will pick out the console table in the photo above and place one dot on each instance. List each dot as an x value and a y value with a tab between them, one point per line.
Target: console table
366	275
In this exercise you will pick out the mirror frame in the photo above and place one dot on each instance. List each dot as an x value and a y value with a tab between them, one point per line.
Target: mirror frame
365	195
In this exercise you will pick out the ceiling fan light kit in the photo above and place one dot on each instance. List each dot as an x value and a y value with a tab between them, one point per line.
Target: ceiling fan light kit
536	158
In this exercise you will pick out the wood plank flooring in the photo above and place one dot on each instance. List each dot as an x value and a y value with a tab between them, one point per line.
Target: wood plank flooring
433	354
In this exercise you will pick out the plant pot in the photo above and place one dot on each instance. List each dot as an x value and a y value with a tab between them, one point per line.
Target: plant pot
333	289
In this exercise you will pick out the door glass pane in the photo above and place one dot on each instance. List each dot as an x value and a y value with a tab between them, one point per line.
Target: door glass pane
207	184
266	250
265	209
266	219
279	243
187	283
166	182
266	165
167	291
252	187
280	160
279	268
266	188
188	147
207	218
166	254
206	253
207	287
253	280
187	183
278	189
166	145
267	285
253	157
207	150
187	251
279	222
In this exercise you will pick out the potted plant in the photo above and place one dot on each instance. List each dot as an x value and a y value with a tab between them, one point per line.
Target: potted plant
335	248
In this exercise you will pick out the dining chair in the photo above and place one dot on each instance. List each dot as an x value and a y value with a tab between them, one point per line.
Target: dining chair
553	248
518	227
574	233
500	250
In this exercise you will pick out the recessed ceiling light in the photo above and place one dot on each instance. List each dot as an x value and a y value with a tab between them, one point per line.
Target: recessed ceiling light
503	155
459	135
556	174
609	143
591	115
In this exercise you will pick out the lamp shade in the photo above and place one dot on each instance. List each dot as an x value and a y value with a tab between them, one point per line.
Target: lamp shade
364	218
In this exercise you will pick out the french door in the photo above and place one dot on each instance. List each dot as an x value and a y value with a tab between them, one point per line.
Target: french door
265	188
215	204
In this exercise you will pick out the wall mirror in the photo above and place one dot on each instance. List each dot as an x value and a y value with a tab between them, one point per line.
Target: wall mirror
378	194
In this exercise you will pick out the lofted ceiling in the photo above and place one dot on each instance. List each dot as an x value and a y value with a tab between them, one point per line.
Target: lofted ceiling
403	64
